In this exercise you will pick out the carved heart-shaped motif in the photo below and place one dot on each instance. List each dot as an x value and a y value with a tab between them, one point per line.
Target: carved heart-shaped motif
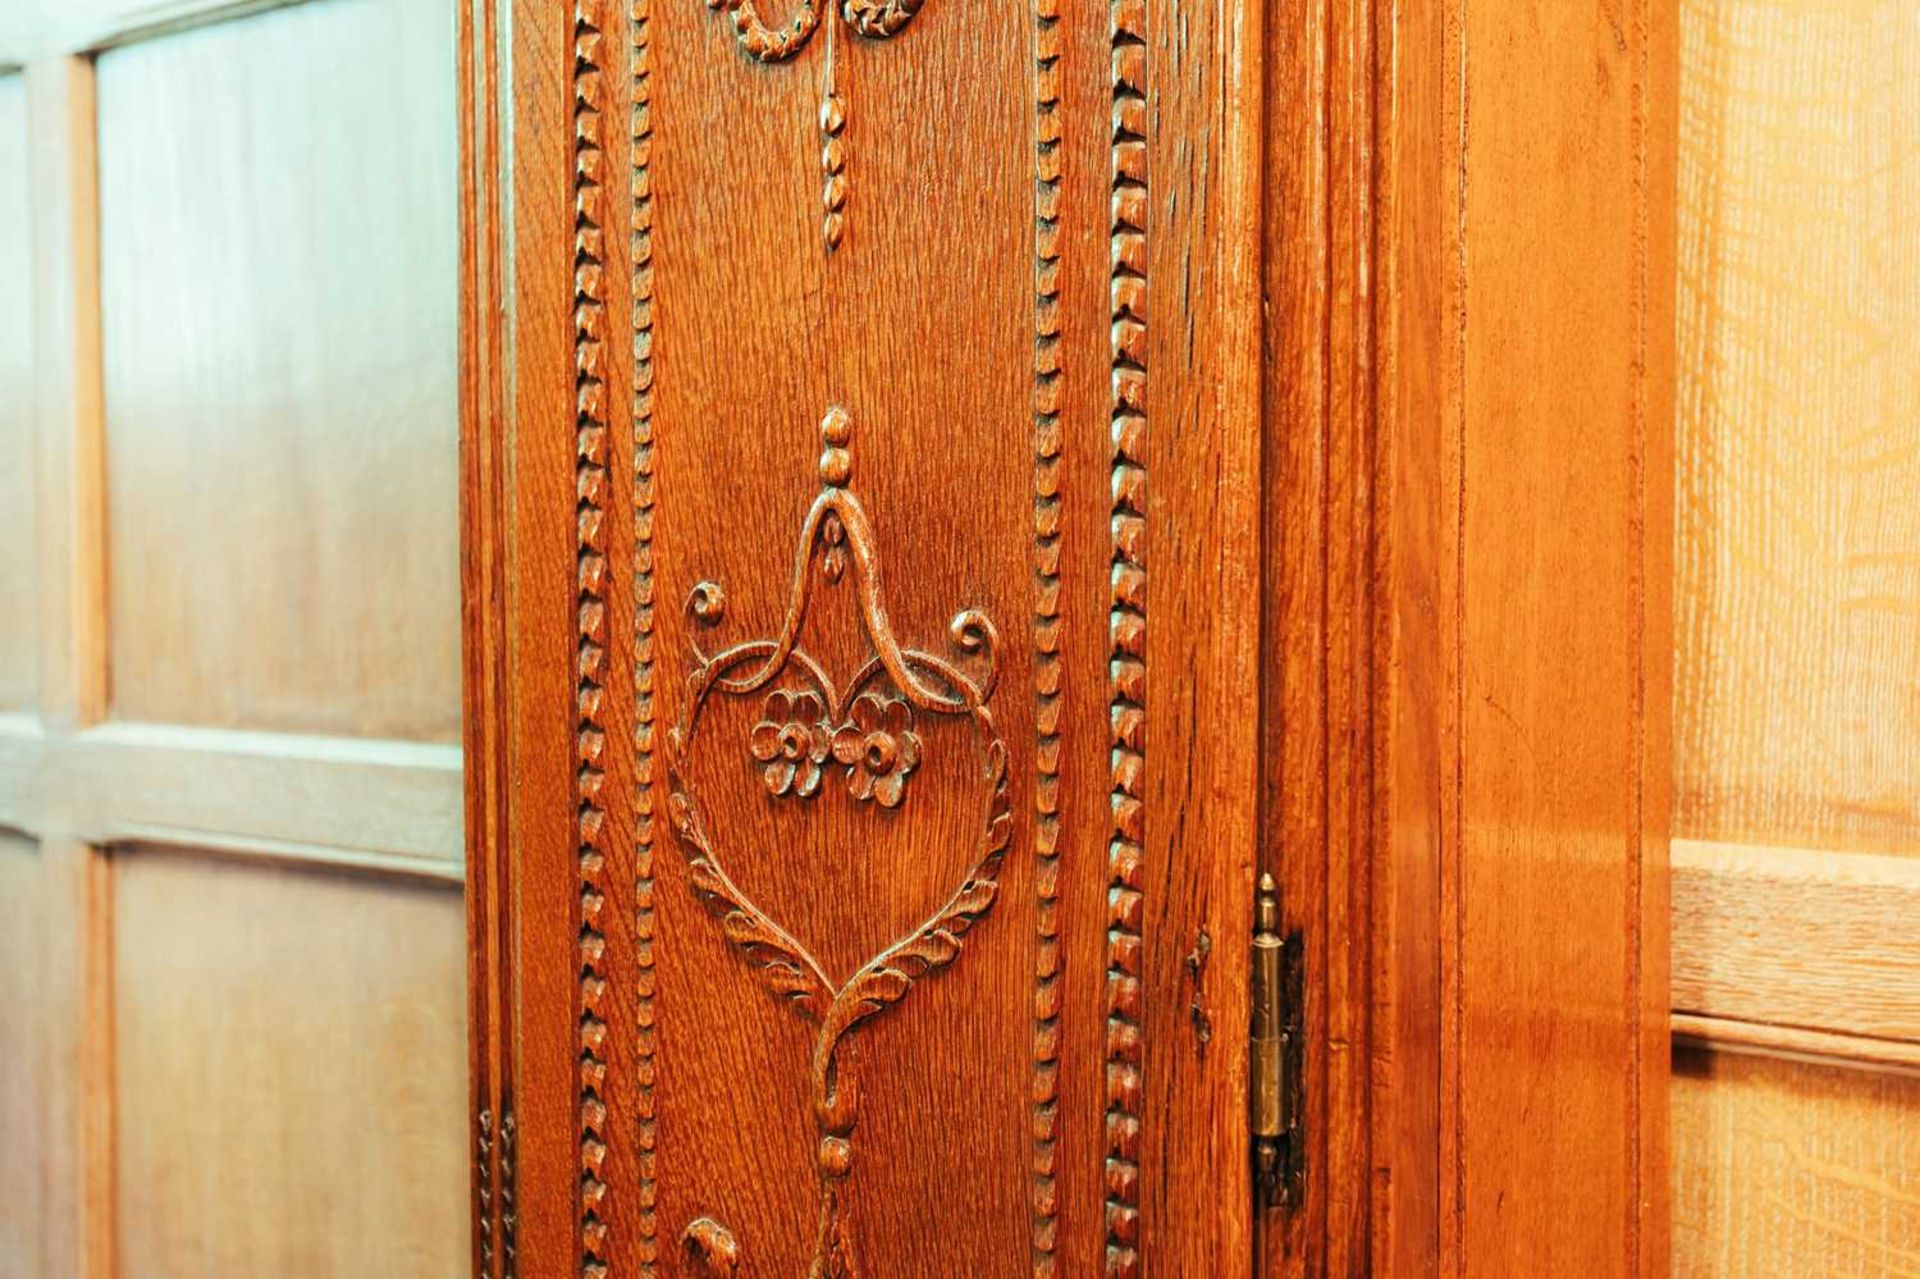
866	728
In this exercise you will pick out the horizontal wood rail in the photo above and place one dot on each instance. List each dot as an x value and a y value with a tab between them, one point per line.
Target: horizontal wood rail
382	805
1803	953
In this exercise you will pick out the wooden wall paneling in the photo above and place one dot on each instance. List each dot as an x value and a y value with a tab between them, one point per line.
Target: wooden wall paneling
1795	736
276	285
1788	1168
384	804
69	517
34	29
75	784
19	674
367	1057
1799	633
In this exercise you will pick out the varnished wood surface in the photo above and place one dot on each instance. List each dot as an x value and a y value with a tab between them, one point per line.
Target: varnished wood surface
1782	1168
1043	405
276	286
228	1121
102	1205
1564	450
1523	371
1456	719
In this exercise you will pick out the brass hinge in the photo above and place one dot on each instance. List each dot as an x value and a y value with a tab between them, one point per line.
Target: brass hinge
1272	1115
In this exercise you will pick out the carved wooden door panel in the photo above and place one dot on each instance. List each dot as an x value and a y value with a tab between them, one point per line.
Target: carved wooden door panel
879	440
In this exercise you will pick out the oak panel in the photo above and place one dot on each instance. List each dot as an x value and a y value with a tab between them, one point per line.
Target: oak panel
290	1050
19	675
1781	1168
23	1013
277	278
1798	574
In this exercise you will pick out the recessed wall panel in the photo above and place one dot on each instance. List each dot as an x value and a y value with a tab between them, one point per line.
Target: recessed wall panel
278	257
18	619
291	1071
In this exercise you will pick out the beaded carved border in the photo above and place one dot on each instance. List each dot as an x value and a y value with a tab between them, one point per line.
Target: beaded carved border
643	672
1127	622
591	483
1046	631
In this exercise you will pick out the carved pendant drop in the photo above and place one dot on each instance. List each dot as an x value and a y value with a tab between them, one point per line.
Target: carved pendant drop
872	19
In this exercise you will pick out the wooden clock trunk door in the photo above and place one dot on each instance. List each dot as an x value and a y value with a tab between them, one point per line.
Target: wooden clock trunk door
900	511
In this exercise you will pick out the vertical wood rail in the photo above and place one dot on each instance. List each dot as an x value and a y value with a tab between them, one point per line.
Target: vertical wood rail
71	534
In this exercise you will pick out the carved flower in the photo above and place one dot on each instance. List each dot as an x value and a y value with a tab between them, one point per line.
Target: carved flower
791	741
879	748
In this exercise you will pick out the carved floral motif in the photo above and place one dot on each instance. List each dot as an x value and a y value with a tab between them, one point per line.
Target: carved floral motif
879	746
791	742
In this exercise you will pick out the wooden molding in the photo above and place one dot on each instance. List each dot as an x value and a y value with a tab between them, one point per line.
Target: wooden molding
1793	1043
1805	949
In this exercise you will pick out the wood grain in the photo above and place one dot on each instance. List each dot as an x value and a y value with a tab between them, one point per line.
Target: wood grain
1549	833
225	1127
1791	1043
1549	307
32	30
1796	732
19	638
69	518
1783	1168
69	545
277	268
1799	638
395	804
